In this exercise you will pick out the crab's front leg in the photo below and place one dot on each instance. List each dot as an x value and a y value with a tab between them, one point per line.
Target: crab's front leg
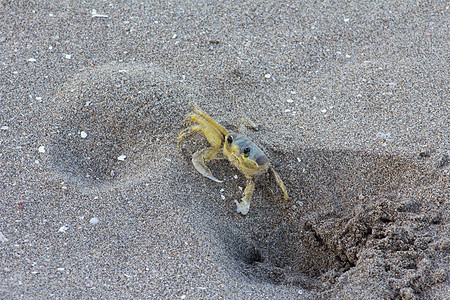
213	136
244	206
200	158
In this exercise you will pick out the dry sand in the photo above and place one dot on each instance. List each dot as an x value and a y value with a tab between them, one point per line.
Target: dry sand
352	102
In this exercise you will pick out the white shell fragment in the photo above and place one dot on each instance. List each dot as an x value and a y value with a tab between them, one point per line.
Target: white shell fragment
267	76
384	136
94	220
31	59
63	228
83	134
41	149
96	15
4	127
122	157
3	238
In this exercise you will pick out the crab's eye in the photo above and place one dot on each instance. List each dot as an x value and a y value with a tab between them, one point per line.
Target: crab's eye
246	151
229	139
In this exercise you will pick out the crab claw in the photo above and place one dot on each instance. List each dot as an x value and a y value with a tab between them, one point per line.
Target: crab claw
198	160
242	207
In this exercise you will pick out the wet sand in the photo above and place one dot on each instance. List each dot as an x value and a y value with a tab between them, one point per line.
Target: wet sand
352	106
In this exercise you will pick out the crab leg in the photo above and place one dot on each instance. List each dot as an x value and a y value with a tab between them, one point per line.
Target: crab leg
244	206
199	158
211	121
213	135
242	122
279	181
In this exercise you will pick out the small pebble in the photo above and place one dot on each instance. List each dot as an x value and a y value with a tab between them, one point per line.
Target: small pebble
235	177
267	76
4	127
41	149
67	56
223	197
60	269
346	19
122	157
289	100
83	134
94	220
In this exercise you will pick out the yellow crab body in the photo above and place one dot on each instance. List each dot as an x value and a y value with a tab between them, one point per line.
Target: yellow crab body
245	155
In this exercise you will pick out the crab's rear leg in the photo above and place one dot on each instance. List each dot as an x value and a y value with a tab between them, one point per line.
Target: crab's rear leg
243	121
280	182
200	158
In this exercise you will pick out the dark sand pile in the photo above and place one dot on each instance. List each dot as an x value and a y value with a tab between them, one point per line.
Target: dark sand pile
352	103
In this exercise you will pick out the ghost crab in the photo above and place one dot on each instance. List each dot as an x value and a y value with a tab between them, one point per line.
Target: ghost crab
245	155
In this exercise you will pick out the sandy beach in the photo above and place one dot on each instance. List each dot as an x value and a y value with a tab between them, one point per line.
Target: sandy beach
352	104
